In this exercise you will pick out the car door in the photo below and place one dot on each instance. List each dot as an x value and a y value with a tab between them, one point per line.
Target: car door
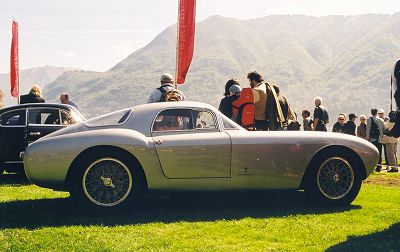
12	135
43	121
190	145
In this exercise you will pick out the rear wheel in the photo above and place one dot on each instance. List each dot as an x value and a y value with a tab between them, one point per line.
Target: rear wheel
335	179
106	181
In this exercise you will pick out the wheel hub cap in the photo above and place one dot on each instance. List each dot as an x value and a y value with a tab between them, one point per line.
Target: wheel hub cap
335	178
107	182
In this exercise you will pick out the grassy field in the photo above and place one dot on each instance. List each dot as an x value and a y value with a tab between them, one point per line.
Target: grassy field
37	219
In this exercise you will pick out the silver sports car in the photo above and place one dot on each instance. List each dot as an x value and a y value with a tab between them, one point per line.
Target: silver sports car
112	160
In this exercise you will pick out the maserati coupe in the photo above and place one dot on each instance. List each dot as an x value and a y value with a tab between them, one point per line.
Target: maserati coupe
111	161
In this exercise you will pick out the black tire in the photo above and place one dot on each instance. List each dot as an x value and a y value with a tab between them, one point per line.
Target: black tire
1	168
335	179
106	180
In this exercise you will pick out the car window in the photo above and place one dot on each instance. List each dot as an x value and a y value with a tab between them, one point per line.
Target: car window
204	120
173	119
67	118
48	116
13	118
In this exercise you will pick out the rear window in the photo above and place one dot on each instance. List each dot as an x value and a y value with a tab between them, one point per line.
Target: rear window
13	118
115	118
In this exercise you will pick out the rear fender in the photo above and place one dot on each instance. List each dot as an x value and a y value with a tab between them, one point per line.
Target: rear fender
331	150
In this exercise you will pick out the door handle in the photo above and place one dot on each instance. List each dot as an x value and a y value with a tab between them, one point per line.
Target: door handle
159	142
34	133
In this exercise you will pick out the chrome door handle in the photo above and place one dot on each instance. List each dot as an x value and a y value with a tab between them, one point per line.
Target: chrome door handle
159	142
34	133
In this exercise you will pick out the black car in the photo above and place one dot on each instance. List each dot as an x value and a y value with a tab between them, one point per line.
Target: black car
20	125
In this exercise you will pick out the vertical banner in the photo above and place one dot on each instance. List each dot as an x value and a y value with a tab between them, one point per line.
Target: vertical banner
185	38
14	62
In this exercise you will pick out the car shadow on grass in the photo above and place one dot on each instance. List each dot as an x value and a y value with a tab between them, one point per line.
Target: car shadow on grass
387	240
14	179
33	214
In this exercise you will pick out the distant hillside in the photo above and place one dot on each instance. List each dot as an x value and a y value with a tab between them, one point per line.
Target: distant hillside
344	59
38	75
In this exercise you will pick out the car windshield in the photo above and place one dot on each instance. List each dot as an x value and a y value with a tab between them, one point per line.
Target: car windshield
77	116
114	118
229	124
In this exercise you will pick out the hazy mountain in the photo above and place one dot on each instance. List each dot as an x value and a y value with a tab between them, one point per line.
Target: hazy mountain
345	59
38	75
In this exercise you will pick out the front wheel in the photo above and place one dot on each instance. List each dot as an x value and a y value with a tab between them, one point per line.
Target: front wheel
106	181
335	180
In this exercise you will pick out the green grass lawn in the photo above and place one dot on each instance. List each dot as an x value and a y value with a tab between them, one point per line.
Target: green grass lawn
37	219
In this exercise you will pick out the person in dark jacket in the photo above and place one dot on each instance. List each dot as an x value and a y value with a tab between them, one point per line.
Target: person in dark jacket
225	105
362	127
396	82
350	126
338	126
321	117
34	96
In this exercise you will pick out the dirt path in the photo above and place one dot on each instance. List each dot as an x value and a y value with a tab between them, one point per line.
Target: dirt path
384	179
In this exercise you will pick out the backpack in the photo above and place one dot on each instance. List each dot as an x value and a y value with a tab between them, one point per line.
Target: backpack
325	120
244	109
290	117
170	95
374	132
294	125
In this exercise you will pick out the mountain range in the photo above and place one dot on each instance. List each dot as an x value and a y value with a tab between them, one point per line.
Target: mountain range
28	77
344	59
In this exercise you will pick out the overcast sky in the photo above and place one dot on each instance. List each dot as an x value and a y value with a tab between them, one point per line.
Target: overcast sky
97	34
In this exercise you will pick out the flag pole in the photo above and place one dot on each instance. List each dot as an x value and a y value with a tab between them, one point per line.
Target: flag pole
177	43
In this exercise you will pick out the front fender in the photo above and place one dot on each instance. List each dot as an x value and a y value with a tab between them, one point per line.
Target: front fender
47	161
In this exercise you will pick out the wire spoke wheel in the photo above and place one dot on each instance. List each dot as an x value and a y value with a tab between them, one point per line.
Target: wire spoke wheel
107	182
335	178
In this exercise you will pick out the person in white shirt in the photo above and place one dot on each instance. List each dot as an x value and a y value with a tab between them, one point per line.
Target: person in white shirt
391	149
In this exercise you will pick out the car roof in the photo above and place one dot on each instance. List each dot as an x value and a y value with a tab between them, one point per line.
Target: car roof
35	105
180	104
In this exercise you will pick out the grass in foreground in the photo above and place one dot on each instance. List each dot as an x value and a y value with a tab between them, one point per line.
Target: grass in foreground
37	219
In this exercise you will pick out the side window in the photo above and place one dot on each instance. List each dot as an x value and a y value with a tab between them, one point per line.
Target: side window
204	120
44	116
173	119
13	118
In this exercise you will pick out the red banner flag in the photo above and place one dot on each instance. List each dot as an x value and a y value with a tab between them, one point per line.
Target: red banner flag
14	63
185	41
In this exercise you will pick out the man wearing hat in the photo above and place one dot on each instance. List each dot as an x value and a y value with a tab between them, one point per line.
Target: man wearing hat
350	126
167	84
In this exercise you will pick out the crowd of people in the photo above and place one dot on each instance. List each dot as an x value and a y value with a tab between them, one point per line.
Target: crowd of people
273	112
372	129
